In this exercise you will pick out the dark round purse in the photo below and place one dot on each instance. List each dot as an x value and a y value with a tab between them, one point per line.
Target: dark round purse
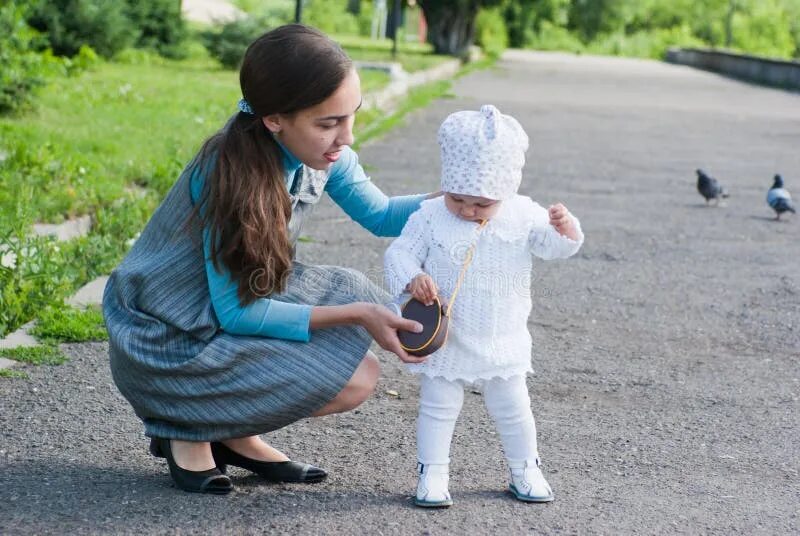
435	318
434	322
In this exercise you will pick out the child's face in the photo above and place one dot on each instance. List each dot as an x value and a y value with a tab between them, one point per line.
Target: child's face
471	208
317	135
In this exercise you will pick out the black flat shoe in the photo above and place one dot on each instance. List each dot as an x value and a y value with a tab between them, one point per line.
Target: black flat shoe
211	481
287	471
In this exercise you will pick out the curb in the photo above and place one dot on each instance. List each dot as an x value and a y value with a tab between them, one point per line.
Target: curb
401	81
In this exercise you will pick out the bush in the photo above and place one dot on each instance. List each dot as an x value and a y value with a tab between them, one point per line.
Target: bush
160	25
645	44
229	43
490	31
21	69
69	24
552	37
331	17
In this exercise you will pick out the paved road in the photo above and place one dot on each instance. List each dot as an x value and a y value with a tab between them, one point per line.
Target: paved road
666	352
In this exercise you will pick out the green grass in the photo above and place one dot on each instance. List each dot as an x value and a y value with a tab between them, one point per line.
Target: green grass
372	80
110	142
45	354
113	127
66	324
11	373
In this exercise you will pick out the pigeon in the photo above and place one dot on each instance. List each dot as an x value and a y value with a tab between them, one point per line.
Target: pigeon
709	187
779	199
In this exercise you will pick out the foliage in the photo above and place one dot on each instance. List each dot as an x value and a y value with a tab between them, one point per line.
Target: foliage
553	37
331	16
69	24
491	32
229	43
59	323
45	354
648	27
21	69
527	18
109	26
160	25
11	373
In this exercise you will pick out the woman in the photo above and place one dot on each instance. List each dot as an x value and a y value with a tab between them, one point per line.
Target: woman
216	333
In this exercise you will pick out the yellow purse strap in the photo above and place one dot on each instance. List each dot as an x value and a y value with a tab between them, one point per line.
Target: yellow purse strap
467	262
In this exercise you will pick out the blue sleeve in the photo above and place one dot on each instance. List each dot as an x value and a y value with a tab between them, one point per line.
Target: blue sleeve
263	317
351	189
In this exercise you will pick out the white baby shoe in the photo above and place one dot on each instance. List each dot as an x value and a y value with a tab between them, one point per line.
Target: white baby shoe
432	489
528	483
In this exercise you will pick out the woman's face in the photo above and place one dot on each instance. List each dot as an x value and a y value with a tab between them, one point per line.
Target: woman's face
471	208
317	135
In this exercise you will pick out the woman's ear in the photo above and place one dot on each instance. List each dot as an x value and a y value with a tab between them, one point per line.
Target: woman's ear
272	122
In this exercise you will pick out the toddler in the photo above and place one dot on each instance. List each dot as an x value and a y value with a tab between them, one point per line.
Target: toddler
488	344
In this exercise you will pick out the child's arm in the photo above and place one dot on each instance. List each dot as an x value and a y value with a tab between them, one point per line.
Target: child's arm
406	255
556	234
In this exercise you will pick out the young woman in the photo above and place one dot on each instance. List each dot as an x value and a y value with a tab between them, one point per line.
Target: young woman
216	333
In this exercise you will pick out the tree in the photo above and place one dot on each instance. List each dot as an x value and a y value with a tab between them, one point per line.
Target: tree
451	23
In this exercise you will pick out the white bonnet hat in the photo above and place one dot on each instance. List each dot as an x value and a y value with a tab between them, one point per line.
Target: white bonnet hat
482	153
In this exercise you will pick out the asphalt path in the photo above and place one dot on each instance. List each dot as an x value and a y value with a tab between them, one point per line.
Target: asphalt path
666	351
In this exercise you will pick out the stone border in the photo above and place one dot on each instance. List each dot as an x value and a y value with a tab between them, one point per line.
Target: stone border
771	72
400	81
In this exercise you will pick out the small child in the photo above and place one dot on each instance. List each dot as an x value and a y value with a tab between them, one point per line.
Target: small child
488	343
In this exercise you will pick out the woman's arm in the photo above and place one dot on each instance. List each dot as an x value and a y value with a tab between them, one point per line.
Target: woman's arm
355	193
379	321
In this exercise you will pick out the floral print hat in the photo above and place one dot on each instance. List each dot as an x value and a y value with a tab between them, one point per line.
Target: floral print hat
482	153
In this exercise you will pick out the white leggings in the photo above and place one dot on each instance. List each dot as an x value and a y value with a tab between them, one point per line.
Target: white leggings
507	402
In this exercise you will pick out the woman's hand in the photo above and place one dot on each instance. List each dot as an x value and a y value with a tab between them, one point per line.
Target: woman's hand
561	219
383	324
423	289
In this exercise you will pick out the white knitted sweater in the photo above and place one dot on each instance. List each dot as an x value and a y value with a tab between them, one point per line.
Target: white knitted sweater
488	335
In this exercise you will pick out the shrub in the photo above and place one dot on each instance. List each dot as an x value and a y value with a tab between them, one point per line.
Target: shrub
69	24
490	31
644	44
160	24
21	69
331	17
230	42
553	37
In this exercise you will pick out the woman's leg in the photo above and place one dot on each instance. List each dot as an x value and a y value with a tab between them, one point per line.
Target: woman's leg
357	390
192	455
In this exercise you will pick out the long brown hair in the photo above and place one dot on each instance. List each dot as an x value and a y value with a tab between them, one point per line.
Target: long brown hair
246	206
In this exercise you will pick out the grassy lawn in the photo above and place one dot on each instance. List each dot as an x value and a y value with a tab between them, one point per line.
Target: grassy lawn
115	127
110	142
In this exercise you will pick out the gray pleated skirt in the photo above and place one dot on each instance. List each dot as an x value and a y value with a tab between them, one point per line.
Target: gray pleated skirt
185	377
235	386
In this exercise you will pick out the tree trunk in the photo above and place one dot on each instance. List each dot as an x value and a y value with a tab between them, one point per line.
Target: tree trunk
451	25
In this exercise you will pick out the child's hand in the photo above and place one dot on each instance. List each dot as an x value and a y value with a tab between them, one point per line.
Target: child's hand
561	219
423	289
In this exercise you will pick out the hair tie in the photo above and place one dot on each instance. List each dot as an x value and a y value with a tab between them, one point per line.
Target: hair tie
244	107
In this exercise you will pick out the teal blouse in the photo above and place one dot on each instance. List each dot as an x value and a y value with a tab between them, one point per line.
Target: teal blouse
354	192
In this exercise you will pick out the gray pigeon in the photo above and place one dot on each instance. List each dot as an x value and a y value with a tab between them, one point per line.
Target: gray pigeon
779	199
709	187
